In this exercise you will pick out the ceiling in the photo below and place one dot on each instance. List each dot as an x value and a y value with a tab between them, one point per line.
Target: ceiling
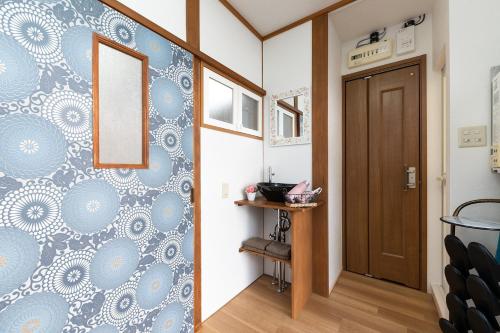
352	21
358	20
269	15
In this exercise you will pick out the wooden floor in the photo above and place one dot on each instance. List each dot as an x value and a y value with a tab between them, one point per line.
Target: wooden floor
357	304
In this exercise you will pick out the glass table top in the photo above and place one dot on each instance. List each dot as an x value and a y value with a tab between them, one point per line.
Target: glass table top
472	223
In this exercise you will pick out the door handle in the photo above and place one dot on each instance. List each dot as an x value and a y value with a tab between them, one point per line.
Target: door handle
411	178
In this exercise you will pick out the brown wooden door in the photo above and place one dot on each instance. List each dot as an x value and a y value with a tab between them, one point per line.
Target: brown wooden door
382	140
394	146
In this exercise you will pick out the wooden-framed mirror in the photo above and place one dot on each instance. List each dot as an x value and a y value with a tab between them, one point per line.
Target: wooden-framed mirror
120	105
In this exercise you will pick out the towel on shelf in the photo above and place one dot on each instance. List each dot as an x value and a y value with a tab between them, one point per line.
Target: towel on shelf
256	244
279	250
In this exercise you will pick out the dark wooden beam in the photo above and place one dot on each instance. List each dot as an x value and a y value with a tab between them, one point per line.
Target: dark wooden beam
193	22
320	151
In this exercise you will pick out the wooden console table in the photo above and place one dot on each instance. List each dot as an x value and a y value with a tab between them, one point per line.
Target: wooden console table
302	256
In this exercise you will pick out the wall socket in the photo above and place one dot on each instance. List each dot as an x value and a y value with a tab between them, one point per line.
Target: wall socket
472	136
225	191
495	157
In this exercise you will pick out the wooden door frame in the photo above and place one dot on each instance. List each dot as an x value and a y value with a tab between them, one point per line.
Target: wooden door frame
422	62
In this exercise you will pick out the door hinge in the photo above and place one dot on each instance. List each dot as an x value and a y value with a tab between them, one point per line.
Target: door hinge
192	196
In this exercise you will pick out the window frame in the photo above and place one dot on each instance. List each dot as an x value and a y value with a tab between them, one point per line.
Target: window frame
236	127
241	128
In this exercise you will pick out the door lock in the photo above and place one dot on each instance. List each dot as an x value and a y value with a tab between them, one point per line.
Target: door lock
411	178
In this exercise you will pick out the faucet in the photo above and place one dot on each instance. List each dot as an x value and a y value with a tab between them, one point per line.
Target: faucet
270	173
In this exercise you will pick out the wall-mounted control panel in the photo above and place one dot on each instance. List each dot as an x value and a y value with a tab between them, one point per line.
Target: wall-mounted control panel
472	136
370	53
405	40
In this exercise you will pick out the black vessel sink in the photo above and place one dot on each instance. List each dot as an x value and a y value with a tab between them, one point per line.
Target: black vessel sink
274	191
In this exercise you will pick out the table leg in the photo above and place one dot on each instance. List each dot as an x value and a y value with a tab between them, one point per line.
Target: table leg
302	257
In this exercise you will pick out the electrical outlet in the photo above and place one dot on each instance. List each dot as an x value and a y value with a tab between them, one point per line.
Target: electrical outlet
495	157
472	136
225	191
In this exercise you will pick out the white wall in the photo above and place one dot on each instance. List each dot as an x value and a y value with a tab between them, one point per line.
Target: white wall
334	153
231	159
474	49
226	39
441	33
424	45
170	14
287	65
440	40
237	161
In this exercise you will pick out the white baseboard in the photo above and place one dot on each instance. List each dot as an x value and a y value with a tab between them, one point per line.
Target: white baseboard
439	296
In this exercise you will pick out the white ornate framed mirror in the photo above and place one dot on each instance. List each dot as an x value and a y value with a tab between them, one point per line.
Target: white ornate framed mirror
290	118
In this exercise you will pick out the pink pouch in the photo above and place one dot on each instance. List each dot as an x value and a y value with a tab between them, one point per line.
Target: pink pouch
299	188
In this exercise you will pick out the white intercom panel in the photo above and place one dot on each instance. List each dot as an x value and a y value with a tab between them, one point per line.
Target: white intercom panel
405	40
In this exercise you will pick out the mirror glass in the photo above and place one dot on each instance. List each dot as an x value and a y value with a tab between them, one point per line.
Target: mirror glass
290	118
120	109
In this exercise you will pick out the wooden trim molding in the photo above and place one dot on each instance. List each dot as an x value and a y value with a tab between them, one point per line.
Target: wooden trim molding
225	130
98	39
241	18
229	77
290	26
116	5
423	168
317	14
422	62
217	128
193	23
193	38
197	193
321	283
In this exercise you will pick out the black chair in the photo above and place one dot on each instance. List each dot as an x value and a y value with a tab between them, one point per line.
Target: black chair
478	322
457	251
486	266
484	300
457	282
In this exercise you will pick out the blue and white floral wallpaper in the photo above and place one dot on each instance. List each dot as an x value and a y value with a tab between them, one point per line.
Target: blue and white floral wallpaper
82	249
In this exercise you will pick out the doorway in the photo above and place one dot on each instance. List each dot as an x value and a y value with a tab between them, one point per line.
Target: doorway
385	171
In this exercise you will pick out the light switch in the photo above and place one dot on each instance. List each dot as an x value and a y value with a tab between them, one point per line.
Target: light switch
225	191
472	136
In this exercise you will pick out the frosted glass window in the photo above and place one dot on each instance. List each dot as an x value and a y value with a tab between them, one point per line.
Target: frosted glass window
121	108
250	113
230	107
220	102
